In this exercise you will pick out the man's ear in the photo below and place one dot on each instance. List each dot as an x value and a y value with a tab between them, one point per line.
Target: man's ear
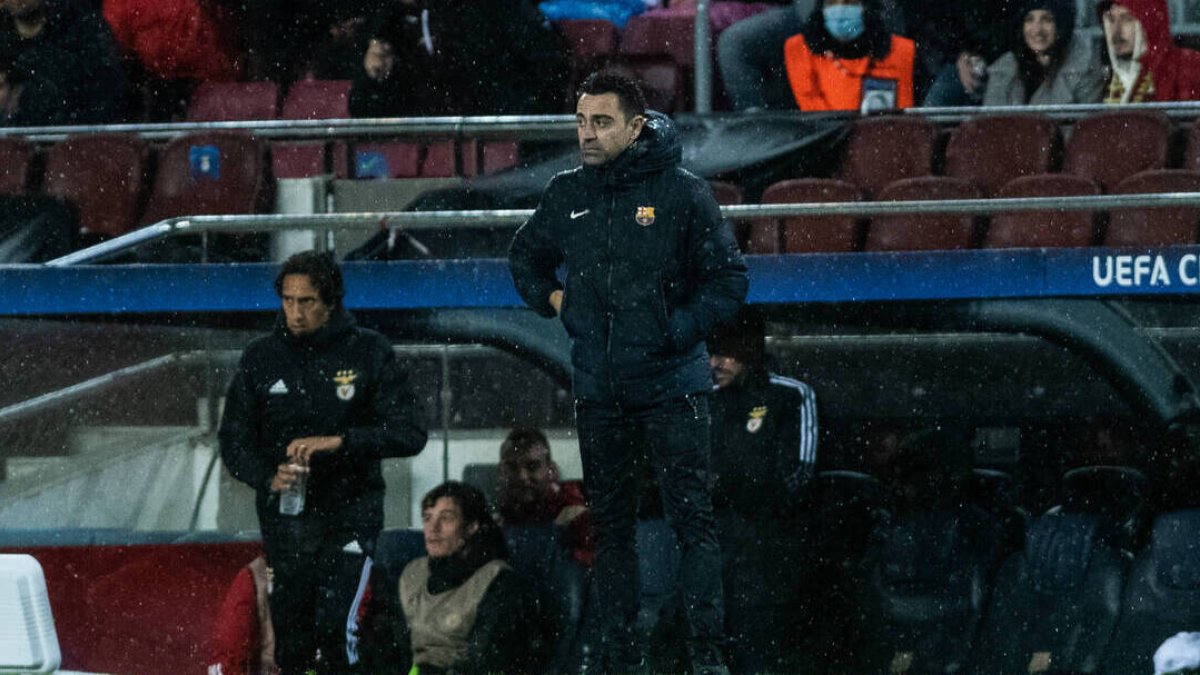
472	529
639	121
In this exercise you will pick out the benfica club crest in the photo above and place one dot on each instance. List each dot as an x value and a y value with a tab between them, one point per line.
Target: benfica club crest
345	384
756	419
644	216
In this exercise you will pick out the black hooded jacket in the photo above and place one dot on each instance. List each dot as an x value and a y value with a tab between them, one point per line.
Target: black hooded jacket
340	380
651	268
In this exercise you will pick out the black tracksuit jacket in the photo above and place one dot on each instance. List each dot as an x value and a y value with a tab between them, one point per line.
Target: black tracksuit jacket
341	380
651	267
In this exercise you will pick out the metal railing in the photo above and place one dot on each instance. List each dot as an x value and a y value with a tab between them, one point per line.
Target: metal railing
429	220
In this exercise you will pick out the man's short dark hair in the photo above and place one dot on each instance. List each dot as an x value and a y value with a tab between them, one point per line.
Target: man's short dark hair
629	93
322	272
523	440
488	541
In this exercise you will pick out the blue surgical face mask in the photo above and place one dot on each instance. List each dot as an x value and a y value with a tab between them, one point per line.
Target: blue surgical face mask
844	22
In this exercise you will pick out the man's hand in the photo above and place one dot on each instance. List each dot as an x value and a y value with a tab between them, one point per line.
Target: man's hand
556	301
966	72
285	477
301	450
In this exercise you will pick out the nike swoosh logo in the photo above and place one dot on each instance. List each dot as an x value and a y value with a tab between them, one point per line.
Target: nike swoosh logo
579	214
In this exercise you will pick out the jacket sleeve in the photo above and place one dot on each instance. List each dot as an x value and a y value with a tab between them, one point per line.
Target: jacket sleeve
798	450
715	269
533	258
508	631
235	631
239	434
399	429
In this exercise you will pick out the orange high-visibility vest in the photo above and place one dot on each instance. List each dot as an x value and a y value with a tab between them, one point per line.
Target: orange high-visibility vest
826	82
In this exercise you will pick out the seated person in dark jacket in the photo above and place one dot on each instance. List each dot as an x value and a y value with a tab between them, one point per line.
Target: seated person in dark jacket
28	101
462	608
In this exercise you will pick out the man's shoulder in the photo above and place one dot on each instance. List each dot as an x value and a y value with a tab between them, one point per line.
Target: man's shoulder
781	385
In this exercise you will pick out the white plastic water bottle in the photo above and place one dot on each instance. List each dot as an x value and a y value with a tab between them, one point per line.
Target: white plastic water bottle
291	500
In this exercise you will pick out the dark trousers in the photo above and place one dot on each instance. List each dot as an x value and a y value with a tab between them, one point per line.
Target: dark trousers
316	592
673	438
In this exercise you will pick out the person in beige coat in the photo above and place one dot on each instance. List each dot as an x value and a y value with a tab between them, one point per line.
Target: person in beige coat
1048	64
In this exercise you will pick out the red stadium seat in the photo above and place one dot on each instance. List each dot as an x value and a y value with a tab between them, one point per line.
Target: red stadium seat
1111	146
206	173
922	232
317	100
726	193
992	151
16	161
882	150
234	101
661	79
494	156
1191	158
1037	229
103	175
439	160
806	234
1155	226
312	100
591	40
653	34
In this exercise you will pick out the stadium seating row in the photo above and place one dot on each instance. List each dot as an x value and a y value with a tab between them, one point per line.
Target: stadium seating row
895	158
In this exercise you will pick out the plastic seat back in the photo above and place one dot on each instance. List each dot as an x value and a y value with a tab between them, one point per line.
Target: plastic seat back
1157	226
590	40
883	150
654	33
1050	228
922	232
16	165
234	101
206	173
312	100
806	234
1111	146
994	150
103	175
317	100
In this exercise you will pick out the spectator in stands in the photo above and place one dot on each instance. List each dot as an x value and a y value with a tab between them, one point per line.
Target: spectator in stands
27	101
530	492
69	46
462	608
1047	65
956	42
442	59
844	59
764	448
1146	64
285	39
319	397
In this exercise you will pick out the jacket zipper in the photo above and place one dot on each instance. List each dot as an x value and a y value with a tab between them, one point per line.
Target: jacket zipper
608	313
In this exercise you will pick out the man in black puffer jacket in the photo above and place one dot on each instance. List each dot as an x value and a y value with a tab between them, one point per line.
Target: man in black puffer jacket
324	395
650	269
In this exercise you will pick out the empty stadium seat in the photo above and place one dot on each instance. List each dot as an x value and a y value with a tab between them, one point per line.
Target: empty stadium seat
488	157
439	160
806	234
1109	147
670	34
233	101
662	80
591	41
1155	226
16	162
206	173
991	151
725	193
387	160
1191	156
1054	603
1120	494
882	150
103	175
922	231
1049	228
312	100
1162	595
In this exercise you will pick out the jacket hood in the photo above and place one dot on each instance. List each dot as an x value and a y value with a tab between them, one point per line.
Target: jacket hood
1063	12
1155	20
340	322
875	41
656	149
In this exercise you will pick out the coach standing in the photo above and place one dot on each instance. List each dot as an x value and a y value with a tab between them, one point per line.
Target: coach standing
650	269
319	394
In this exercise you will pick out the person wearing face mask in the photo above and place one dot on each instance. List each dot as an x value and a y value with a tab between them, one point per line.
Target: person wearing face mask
845	60
1047	65
1146	64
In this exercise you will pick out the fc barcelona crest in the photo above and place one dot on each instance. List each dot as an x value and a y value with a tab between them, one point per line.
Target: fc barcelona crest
756	419
345	384
644	216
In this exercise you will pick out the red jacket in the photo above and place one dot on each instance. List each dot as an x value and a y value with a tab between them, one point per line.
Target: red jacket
1176	71
191	39
825	82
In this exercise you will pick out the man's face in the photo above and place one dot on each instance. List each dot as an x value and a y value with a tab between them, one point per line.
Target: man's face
726	370
525	475
1121	27
445	531
1039	31
604	131
302	305
379	60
